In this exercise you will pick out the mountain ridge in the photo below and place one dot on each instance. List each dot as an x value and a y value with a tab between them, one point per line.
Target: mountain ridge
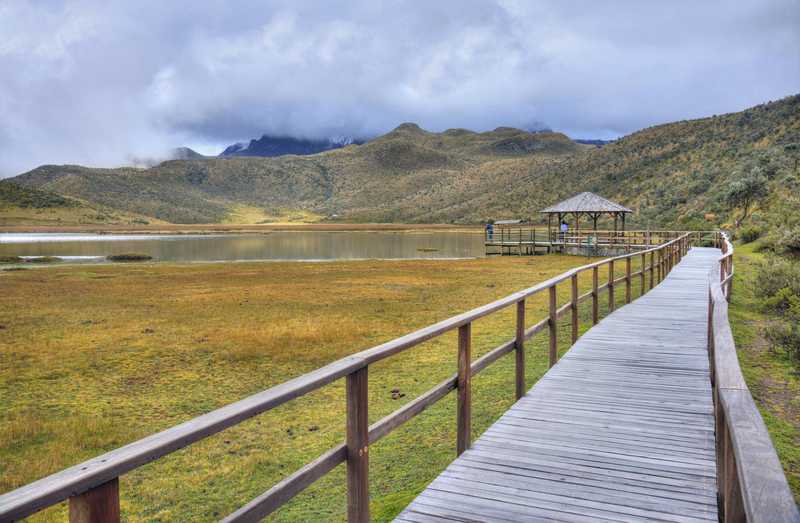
666	173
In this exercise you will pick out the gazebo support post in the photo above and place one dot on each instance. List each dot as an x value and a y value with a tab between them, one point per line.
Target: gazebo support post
615	229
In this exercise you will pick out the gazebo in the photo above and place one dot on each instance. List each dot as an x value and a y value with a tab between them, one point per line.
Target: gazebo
589	204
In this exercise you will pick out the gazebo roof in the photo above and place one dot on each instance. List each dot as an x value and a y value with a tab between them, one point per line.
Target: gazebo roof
588	203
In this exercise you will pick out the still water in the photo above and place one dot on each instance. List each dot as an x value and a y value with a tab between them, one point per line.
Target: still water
93	248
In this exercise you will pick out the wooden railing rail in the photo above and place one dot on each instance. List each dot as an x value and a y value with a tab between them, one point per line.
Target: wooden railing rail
750	480
92	486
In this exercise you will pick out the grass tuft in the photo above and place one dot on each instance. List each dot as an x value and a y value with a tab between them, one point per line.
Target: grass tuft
129	256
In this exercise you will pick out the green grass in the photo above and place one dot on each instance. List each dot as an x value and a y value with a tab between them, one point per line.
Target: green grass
771	377
90	361
44	259
129	256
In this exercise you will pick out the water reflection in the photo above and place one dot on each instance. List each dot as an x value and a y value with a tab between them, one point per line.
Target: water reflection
91	248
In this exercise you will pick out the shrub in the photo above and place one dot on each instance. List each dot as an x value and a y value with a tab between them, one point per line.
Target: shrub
749	234
790	241
44	259
785	338
777	283
129	256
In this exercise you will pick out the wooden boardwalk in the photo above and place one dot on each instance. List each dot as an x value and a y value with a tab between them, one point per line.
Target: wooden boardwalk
620	429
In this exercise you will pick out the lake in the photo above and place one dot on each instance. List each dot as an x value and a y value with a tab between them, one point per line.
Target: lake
93	248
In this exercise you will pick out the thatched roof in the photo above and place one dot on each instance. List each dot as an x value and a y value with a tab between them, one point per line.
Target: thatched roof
588	203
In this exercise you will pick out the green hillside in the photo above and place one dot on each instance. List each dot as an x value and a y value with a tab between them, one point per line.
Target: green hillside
20	205
671	174
382	172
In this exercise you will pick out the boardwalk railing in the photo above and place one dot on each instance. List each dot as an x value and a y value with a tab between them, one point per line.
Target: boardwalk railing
93	486
510	236
750	480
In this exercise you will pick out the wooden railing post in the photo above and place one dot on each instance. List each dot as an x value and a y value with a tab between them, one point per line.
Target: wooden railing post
574	308
595	295
464	401
720	435
642	274
652	267
628	280
357	435
552	322
711	359
520	351
610	287
97	505
733	510
670	253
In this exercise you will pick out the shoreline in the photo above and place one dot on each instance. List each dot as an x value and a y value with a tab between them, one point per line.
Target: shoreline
244	229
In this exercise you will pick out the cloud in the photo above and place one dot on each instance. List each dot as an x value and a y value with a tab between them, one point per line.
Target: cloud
99	82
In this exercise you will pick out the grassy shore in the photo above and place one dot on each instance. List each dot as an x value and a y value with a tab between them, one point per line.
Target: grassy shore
772	378
242	229
92	358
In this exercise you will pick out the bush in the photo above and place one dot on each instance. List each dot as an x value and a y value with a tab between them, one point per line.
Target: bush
44	259
749	234
790	241
129	256
781	241
786	339
777	277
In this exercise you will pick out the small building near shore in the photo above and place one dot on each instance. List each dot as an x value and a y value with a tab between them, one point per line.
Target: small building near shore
589	204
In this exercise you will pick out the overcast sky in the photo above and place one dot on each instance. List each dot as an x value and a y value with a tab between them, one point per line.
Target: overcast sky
105	82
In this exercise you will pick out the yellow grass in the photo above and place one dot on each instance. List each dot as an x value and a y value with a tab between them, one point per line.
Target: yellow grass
81	372
248	215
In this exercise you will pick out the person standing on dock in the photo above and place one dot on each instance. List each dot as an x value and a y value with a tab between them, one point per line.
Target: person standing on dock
489	229
564	229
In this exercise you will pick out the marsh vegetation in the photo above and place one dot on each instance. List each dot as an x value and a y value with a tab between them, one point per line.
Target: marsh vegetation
92	359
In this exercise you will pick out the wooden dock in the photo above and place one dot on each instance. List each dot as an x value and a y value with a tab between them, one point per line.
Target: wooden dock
620	429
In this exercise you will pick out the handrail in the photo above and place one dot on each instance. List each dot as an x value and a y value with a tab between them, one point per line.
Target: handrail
750	479
93	485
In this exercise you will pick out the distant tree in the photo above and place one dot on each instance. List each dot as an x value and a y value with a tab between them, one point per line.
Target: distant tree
746	191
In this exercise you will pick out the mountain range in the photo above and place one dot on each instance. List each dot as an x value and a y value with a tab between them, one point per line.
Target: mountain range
273	146
675	172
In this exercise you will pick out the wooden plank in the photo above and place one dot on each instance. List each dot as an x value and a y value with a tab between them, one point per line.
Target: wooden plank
275	497
611	283
627	280
413	408
519	342
53	489
574	307
621	428
595	296
356	390
464	402
553	326
97	505
766	493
